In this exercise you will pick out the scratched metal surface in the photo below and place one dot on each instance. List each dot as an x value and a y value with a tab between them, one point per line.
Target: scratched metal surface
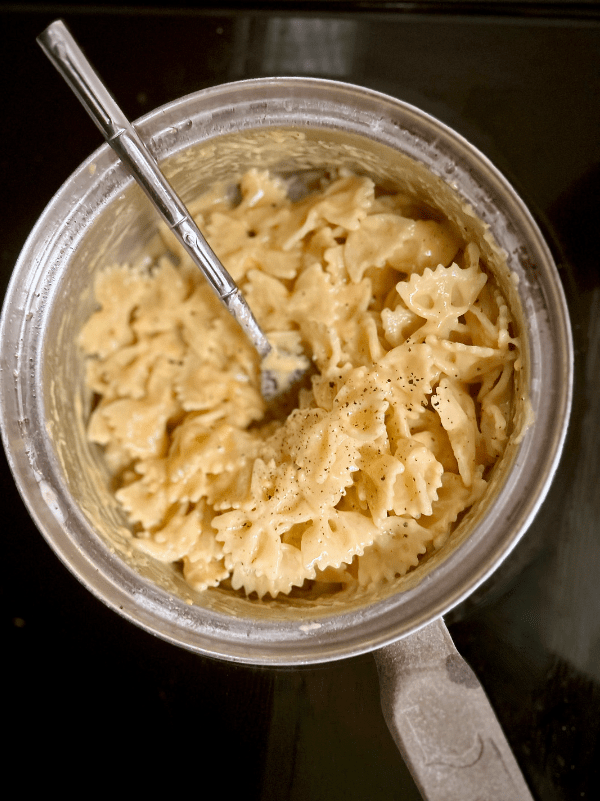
83	687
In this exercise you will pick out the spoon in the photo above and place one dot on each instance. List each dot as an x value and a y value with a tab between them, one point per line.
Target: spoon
66	55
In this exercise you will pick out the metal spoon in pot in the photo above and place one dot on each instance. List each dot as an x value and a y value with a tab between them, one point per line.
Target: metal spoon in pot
63	51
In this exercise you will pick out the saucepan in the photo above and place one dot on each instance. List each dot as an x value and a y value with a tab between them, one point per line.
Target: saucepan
432	701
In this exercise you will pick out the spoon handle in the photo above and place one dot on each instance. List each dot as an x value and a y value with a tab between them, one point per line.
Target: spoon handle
63	51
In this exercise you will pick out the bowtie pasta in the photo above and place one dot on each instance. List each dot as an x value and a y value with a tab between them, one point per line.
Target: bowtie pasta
407	409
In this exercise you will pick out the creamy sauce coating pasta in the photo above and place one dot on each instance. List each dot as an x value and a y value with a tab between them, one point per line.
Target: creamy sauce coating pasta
393	438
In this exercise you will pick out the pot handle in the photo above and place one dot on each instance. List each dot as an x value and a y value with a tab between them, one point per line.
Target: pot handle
443	723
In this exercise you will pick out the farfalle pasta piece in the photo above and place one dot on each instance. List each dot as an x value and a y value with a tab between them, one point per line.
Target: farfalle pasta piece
336	537
427	429
291	573
175	539
231	489
159	308
198	452
260	189
399	323
441	296
466	363
405	244
269	299
118	290
456	409
140	424
145	497
361	404
495	407
284	265
416	487
453	498
202	387
409	371
379	471
394	553
489	320
125	372
201	575
203	563
317	299
327	458
251	535
362	344
344	203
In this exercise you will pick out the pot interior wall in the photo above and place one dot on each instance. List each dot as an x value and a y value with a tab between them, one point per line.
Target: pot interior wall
123	230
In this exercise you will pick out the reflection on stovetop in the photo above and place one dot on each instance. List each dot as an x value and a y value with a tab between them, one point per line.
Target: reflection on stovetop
525	91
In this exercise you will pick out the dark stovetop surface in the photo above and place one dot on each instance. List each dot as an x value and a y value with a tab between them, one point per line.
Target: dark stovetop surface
86	691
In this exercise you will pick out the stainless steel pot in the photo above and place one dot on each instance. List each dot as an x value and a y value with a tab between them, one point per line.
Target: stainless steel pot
99	216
